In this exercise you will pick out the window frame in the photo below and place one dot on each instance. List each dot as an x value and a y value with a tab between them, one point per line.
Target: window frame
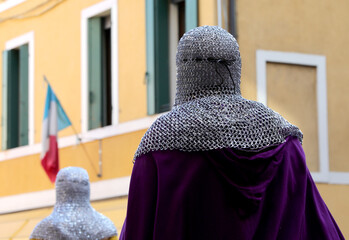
93	11
159	73
319	62
27	38
325	175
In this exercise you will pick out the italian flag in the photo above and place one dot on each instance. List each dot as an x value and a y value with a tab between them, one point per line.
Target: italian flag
55	120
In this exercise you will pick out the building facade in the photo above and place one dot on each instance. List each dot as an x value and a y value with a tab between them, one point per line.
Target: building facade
111	63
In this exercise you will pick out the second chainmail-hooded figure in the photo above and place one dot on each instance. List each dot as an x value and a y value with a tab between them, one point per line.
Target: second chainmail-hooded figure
218	166
73	217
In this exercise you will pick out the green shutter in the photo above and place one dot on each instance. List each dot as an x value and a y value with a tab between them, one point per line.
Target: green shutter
23	95
95	72
4	100
162	85
191	14
150	58
12	99
157	56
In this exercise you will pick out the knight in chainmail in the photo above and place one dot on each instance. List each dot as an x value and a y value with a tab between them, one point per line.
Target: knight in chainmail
73	217
219	166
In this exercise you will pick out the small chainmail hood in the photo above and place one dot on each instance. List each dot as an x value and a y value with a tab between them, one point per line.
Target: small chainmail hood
209	111
73	218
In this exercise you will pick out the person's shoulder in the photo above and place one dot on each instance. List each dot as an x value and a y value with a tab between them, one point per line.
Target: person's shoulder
106	227
165	121
43	228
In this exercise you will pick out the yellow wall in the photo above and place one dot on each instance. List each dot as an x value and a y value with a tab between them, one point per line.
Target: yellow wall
132	60
207	12
314	27
57	49
25	174
292	93
336	198
58	53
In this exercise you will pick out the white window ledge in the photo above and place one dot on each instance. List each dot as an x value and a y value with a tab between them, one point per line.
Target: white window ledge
105	189
92	135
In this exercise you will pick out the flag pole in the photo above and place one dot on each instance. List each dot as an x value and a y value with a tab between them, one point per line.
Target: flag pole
99	174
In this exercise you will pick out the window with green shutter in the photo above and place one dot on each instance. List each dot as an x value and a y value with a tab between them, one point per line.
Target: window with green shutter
15	98
99	72
158	33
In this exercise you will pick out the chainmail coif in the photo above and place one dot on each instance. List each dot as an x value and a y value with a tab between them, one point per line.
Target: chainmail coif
208	62
209	111
73	218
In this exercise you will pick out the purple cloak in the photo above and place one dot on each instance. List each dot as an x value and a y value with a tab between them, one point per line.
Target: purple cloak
226	194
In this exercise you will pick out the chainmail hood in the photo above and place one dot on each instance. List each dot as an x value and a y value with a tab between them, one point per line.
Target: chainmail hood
209	111
73	218
208	62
